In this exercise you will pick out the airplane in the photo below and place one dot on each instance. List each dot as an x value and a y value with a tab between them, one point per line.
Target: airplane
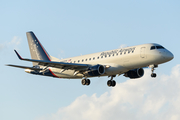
129	61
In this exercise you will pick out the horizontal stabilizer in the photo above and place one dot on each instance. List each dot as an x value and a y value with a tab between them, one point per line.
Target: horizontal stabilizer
24	67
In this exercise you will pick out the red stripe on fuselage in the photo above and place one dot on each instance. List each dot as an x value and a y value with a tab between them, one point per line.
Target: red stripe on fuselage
53	73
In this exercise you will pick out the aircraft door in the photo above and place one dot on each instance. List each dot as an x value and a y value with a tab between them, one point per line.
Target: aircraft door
143	52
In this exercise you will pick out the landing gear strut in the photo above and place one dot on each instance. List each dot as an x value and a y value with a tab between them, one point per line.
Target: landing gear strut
85	81
111	82
153	75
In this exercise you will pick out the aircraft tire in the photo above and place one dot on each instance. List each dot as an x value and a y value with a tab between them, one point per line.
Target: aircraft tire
153	75
109	83
83	81
113	83
88	82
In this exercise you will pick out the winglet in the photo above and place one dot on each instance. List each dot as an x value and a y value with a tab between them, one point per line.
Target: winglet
18	55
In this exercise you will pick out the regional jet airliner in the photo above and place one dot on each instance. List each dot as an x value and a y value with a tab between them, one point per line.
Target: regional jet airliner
128	61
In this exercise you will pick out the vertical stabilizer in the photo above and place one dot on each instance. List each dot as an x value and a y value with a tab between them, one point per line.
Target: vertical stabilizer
36	49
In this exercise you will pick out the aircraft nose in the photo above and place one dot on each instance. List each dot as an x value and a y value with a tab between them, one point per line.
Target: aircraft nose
169	56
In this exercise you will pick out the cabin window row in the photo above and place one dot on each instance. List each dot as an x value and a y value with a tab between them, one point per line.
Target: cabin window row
105	56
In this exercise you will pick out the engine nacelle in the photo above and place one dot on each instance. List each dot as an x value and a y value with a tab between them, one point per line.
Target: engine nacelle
136	73
96	70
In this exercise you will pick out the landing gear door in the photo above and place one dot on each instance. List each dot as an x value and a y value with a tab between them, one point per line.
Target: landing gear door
143	52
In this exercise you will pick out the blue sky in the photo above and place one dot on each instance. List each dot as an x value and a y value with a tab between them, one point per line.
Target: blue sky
71	28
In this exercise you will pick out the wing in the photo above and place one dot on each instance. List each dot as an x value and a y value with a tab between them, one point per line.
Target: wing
61	65
24	67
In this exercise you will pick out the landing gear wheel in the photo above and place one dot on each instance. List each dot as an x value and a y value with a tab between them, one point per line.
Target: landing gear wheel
83	81
88	82
153	75
111	83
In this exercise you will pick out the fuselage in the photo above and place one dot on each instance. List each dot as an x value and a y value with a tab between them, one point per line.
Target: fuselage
129	61
118	61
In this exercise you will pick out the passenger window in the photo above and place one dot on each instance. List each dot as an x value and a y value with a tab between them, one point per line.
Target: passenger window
159	47
86	59
101	56
153	47
97	57
89	58
78	60
82	60
94	58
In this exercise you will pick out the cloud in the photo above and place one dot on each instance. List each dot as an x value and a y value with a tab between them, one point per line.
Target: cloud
1	47
141	99
13	43
61	54
123	46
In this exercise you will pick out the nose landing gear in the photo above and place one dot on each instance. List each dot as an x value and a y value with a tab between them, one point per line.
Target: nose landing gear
153	75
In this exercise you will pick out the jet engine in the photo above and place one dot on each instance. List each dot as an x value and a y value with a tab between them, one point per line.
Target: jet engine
96	70
135	73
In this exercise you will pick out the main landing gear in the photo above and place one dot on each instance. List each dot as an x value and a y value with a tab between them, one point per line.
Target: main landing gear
153	75
111	82
85	81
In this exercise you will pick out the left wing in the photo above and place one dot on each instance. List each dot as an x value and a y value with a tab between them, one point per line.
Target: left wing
61	65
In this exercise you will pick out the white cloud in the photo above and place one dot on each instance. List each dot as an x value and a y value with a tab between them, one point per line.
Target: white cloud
13	43
142	99
123	46
60	56
1	46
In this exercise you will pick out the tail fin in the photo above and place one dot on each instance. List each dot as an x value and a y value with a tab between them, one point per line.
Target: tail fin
36	49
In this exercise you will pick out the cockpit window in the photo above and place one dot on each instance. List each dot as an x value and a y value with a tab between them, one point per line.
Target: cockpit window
153	47
160	47
157	47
